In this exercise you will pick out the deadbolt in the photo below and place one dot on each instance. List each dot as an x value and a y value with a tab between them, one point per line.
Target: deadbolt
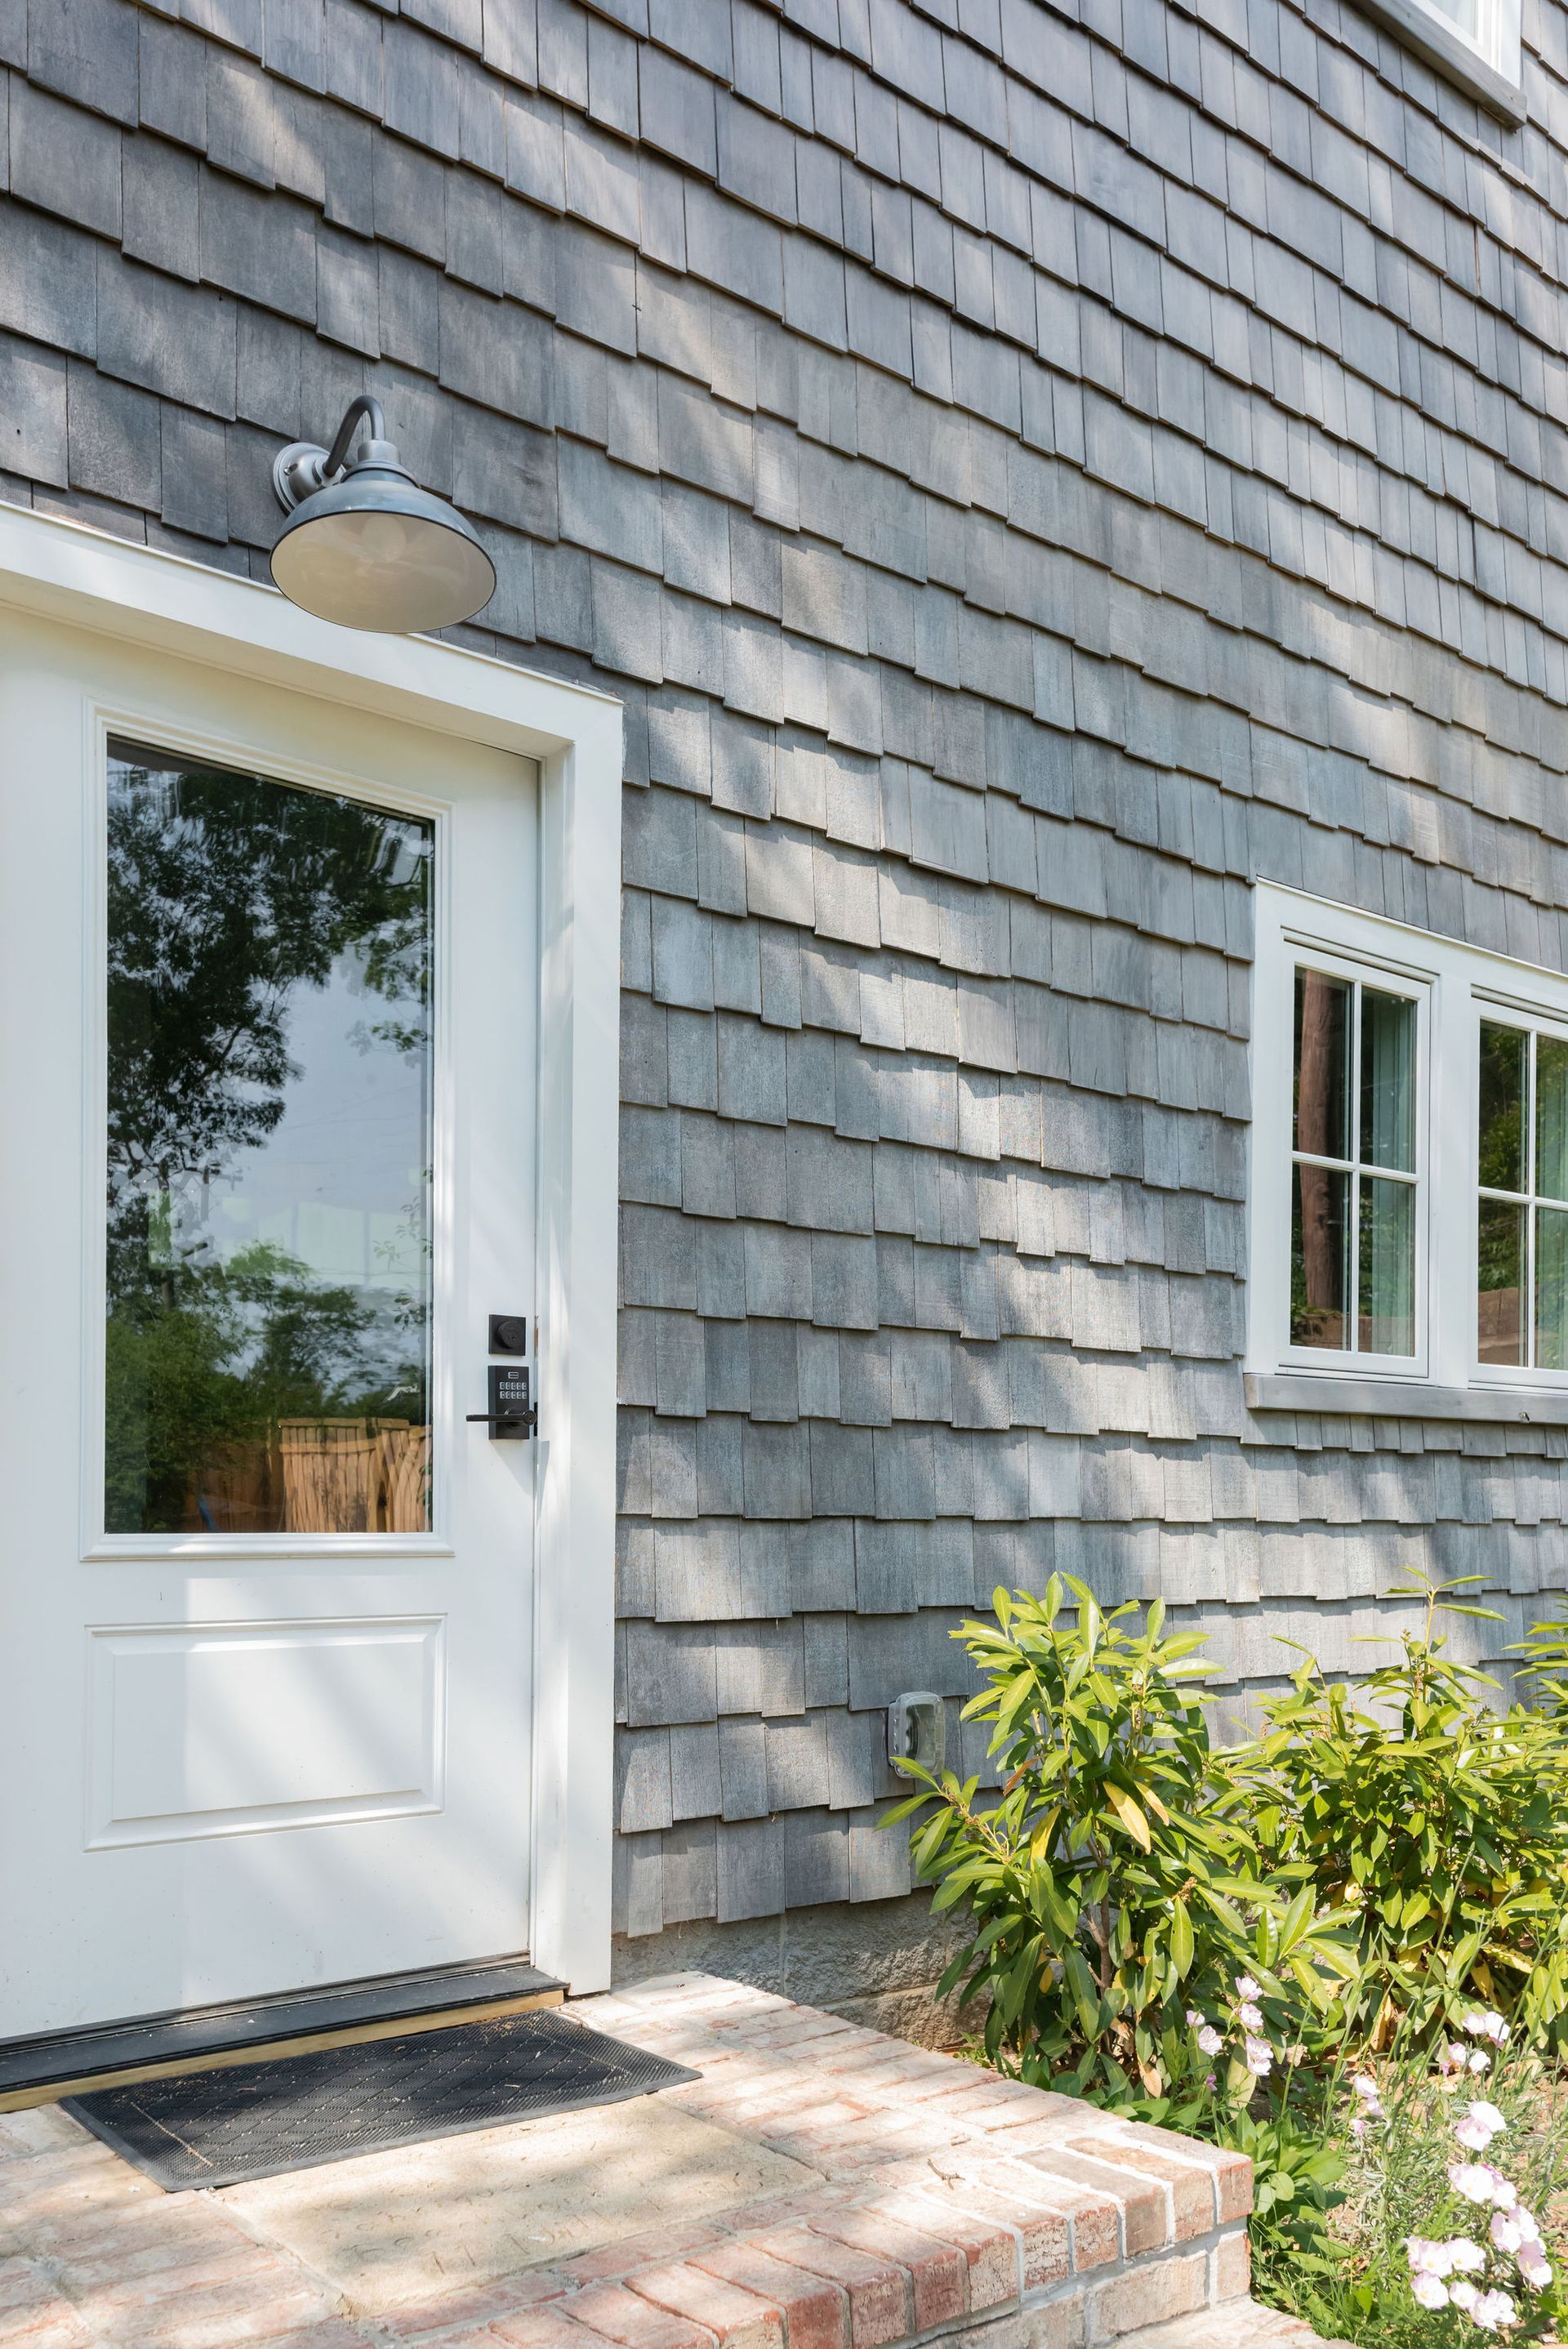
509	1334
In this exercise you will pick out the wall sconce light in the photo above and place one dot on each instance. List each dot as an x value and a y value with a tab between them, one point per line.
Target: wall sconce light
364	545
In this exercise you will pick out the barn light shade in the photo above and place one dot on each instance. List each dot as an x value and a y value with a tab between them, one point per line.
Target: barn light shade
364	545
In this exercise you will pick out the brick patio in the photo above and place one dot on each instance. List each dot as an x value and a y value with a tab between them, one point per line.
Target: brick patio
940	2201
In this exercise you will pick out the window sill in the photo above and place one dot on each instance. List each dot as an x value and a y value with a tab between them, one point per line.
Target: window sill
1353	1397
1450	54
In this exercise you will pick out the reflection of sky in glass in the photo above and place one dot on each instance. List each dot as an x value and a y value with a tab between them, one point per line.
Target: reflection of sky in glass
339	1184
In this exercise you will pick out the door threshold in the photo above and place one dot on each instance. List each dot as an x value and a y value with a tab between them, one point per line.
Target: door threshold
39	2071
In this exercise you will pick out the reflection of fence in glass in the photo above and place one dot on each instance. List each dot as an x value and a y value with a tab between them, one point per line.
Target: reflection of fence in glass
354	1475
316	1476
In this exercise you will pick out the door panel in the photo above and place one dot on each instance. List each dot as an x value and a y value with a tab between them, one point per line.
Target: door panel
213	1728
267	1034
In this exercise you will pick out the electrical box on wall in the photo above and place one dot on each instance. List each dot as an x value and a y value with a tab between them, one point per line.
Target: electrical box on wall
917	1730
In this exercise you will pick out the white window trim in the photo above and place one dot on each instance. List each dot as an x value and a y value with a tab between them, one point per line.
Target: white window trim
1490	69
1458	986
140	595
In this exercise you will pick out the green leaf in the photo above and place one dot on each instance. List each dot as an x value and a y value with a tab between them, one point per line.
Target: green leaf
1182	1942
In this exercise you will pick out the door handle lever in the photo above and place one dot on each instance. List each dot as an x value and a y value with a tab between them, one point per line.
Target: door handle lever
512	1416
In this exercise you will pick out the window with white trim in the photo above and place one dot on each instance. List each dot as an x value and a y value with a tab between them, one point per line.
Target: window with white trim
1407	1205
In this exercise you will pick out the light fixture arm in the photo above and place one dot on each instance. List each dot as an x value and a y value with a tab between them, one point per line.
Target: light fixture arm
305	467
366	406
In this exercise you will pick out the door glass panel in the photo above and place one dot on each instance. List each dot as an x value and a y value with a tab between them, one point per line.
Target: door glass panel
1501	1281
269	1156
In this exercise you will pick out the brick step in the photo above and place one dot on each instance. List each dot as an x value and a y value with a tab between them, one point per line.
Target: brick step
1241	2324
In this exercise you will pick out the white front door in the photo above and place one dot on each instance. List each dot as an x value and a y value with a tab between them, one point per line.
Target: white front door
268	1001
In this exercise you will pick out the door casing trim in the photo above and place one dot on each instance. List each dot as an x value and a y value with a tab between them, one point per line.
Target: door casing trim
64	571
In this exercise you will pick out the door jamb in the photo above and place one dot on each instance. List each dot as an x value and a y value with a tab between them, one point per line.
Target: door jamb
64	571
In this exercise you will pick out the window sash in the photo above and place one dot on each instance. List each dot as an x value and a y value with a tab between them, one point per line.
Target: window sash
1360	1231
1529	1202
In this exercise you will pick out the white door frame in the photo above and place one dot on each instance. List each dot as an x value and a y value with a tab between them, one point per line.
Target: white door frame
69	572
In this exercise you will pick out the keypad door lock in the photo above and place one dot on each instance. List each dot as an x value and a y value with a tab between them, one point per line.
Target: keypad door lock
512	1416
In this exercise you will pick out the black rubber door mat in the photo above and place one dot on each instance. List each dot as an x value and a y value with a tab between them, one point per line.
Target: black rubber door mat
258	2120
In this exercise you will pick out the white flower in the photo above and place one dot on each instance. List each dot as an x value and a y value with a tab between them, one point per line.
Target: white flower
1457	2254
1535	2267
1463	2293
1478	2181
1247	1988
1525	2221
1209	2040
1492	2309
1480	2061
1365	2087
1505	2231
1480	2125
1260	2058
1486	2024
1249	2017
1452	2058
1428	2290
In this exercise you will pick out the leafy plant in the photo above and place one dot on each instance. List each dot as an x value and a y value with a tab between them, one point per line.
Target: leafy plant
1206	1938
1114	1884
1545	1649
1430	1828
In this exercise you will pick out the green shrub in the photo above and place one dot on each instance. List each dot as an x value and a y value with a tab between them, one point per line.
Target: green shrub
1206	1937
1432	1829
1546	1651
1114	1884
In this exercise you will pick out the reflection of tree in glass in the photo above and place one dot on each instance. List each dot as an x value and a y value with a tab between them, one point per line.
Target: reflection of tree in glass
1504	1060
228	895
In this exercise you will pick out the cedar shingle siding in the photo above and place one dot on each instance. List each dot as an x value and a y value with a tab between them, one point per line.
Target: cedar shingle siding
1027	475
